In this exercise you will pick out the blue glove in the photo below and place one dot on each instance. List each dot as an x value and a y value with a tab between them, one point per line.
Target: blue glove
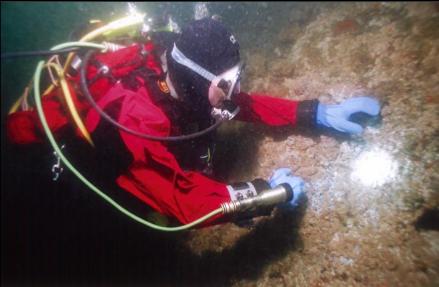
284	175
336	116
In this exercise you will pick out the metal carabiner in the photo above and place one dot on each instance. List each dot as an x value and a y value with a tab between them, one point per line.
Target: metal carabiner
57	169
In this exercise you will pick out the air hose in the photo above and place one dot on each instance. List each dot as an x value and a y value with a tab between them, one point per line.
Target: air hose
67	163
37	53
88	96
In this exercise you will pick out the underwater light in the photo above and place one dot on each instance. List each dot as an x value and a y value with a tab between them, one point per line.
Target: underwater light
132	9
374	168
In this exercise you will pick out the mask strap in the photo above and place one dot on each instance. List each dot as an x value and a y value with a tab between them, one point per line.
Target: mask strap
180	58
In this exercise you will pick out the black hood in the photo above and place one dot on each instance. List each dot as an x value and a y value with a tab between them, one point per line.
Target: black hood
211	45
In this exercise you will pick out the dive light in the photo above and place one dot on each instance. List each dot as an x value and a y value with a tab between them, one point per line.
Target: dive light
267	198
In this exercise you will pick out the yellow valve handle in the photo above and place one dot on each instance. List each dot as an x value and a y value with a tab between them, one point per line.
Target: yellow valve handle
70	104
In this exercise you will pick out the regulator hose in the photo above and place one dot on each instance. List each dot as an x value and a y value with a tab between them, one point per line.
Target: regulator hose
12	55
88	96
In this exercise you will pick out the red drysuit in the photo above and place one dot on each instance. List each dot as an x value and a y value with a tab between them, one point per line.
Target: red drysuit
154	176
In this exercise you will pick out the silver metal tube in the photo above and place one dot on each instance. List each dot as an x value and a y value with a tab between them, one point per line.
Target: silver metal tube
270	197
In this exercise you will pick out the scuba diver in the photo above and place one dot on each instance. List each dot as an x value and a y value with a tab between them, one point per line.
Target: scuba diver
152	107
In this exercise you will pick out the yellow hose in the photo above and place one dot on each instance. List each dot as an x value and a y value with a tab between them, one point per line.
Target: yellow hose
65	89
107	29
111	27
70	104
15	106
17	103
114	26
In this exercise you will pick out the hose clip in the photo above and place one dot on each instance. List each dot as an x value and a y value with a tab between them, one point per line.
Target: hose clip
111	47
57	169
104	69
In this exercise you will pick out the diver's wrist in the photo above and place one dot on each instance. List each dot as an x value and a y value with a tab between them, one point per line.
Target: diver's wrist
307	113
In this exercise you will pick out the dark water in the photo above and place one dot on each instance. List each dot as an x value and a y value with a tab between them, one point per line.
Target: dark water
41	25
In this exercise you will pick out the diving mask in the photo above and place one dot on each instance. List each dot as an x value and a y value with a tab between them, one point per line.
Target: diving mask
222	87
221	91
228	81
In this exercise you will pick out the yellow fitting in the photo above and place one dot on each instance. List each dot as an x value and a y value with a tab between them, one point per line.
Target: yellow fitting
70	104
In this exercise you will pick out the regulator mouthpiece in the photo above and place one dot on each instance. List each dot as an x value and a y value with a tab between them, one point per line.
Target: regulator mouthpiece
227	112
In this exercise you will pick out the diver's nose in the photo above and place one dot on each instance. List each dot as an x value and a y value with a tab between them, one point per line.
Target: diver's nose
216	96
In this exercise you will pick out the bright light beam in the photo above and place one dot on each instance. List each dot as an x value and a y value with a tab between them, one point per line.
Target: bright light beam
373	168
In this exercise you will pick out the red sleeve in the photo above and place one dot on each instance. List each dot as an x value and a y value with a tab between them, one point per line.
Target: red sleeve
266	109
155	176
24	127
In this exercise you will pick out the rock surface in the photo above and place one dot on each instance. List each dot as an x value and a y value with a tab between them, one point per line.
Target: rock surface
373	200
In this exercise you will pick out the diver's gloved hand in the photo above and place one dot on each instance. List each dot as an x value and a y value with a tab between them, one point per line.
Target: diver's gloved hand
284	175
337	116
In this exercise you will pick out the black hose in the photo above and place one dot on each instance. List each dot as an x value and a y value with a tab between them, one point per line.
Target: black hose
86	92
37	53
